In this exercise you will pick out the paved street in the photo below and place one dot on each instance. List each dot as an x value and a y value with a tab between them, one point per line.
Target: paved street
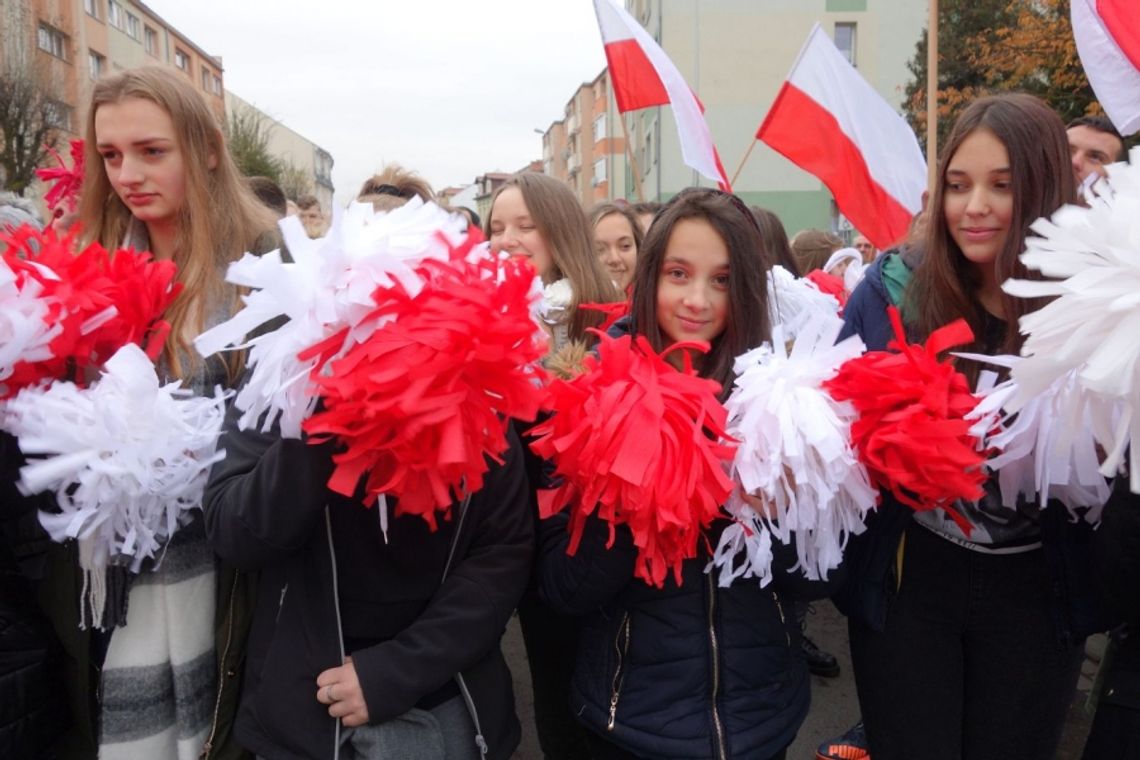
834	704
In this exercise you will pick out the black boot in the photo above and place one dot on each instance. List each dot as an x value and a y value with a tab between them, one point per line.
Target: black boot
819	662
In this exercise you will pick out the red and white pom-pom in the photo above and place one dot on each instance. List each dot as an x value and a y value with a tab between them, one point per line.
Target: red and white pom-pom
795	454
793	301
66	182
421	404
127	459
1092	259
99	301
1047	449
641	444
325	292
25	330
912	432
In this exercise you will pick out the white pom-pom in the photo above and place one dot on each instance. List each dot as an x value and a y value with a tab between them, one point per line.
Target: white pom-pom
127	458
1047	449
25	335
327	288
1091	328
793	301
795	454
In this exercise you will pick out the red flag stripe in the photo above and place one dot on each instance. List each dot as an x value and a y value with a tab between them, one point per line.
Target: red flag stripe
635	81
810	137
1122	19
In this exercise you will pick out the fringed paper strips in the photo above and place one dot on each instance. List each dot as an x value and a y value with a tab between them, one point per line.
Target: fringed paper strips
127	460
911	433
94	300
422	403
641	444
66	182
793	301
25	331
326	291
1047	449
1092	256
795	454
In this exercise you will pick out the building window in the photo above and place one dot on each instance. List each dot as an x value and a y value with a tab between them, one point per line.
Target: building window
115	14
217	85
599	171
134	27
92	8
58	115
845	40
181	60
52	41
600	127
150	41
205	79
96	64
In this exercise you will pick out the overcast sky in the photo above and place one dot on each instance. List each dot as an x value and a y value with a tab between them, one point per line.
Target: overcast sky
450	88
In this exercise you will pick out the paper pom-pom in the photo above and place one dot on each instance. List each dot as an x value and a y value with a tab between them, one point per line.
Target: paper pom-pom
1092	256
912	433
127	458
25	331
325	292
641	444
793	301
1047	449
66	182
828	284
422	403
98	300
795	453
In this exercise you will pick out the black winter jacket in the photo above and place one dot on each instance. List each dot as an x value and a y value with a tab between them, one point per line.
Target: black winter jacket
268	509
870	558
1117	546
689	671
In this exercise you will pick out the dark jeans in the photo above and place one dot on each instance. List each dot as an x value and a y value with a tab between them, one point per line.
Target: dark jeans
971	665
551	642
600	749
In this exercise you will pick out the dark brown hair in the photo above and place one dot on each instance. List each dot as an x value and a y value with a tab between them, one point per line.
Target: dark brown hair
945	284
307	201
747	323
563	225
775	239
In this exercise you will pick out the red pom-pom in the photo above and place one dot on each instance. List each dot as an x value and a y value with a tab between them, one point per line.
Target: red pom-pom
423	402
67	182
911	432
614	311
102	301
641	444
829	284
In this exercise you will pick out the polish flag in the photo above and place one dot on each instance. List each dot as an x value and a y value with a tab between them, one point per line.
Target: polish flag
828	121
642	76
1107	33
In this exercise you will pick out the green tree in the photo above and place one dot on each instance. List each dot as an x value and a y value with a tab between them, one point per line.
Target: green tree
247	136
30	118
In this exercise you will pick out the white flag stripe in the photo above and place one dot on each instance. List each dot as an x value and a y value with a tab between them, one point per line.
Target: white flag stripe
1114	79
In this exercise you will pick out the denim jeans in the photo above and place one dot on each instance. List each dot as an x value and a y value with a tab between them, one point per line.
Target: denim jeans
971	664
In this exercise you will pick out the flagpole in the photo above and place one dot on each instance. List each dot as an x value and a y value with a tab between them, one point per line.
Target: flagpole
932	96
632	160
743	161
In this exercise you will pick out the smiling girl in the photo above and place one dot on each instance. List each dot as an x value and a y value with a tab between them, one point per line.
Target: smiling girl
617	236
689	670
148	680
968	645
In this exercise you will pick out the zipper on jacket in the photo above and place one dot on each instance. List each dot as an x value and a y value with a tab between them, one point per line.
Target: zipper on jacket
783	619
621	646
339	626
208	747
281	603
722	752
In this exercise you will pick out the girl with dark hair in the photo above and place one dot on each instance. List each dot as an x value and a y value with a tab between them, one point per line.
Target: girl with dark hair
775	239
688	670
968	645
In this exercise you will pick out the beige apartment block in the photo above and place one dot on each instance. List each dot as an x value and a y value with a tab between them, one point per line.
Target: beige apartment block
736	54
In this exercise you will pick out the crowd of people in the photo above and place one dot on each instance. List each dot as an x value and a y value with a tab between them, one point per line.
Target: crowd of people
284	621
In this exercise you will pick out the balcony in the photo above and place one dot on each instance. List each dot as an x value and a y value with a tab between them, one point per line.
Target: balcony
573	163
572	125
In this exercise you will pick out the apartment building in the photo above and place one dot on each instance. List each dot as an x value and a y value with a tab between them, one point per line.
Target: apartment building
585	148
736	54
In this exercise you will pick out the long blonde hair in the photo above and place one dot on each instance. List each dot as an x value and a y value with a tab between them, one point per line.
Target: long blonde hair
219	220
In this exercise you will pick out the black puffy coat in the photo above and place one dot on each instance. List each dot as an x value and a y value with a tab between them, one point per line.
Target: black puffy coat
689	671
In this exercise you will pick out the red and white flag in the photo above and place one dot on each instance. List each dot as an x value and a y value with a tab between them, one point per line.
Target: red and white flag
642	76
1107	33
830	122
